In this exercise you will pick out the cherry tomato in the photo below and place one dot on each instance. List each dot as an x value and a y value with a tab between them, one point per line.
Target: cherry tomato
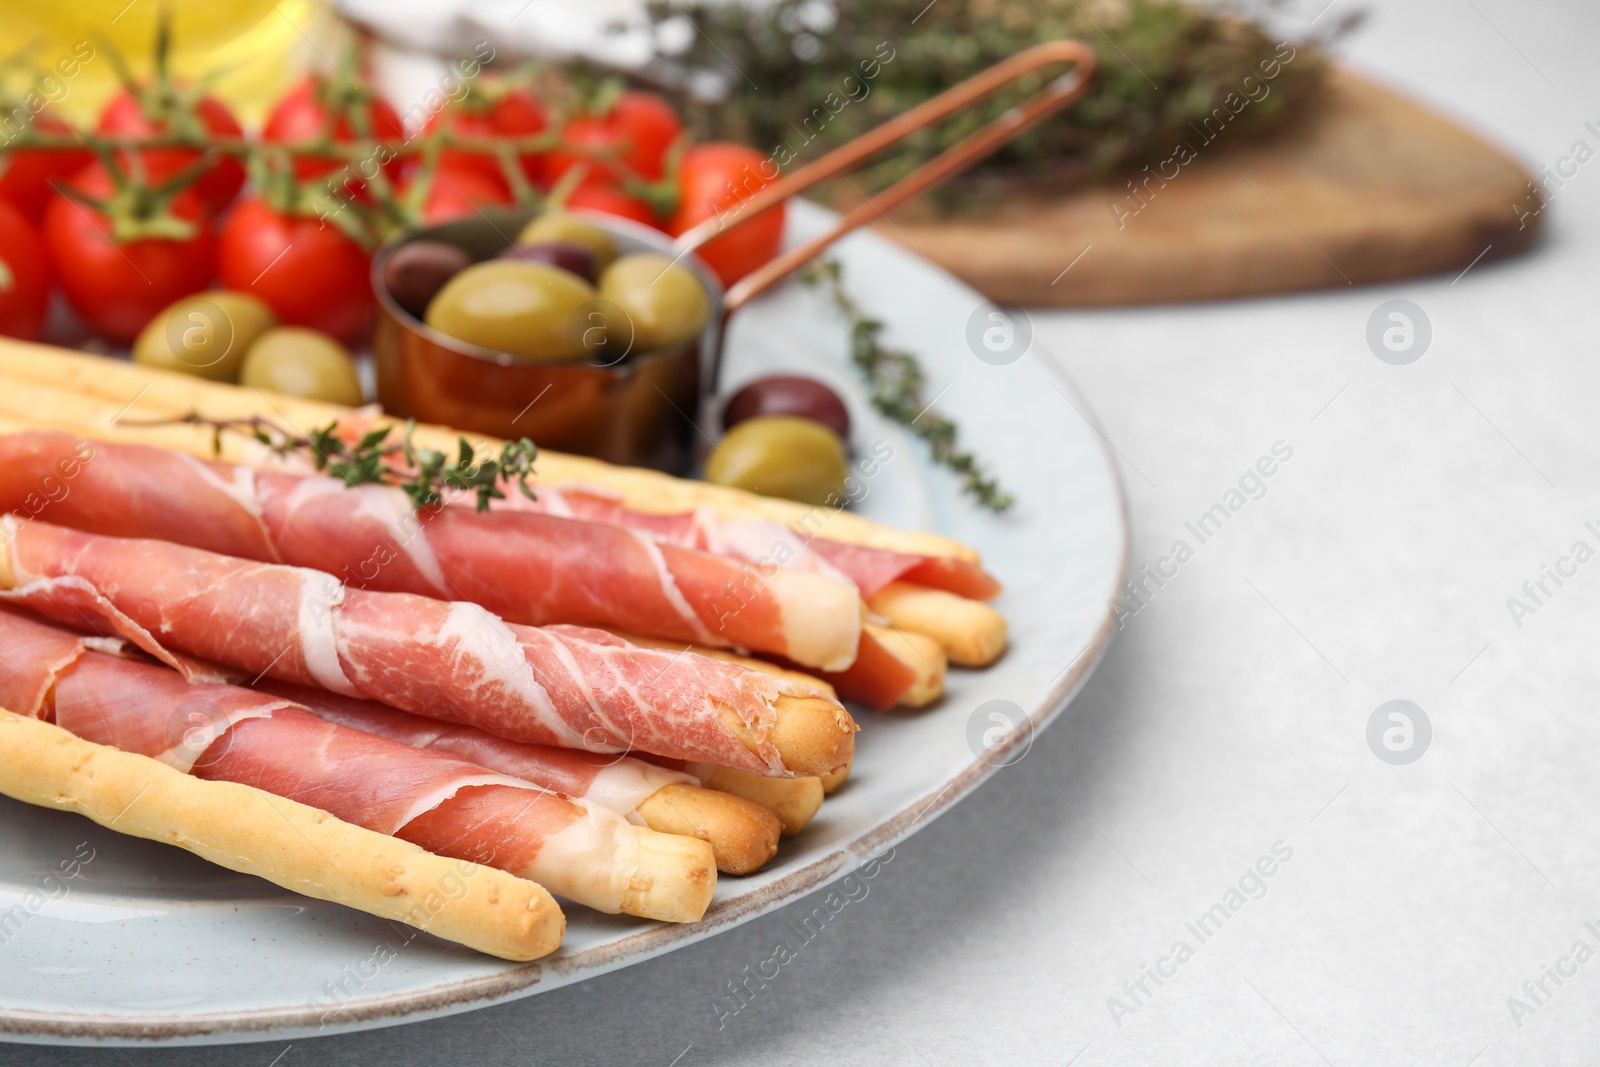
638	130
25	279
118	287
458	192
26	175
307	270
126	116
311	112
613	201
714	179
511	113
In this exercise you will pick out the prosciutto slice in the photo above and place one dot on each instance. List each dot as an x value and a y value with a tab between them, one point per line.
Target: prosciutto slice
618	783
560	685
768	544
445	804
534	567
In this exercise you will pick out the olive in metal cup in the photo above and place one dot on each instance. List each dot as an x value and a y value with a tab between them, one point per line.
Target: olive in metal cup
620	402
418	270
638	409
574	259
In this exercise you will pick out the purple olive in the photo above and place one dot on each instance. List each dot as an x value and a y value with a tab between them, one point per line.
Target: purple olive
788	394
574	259
418	270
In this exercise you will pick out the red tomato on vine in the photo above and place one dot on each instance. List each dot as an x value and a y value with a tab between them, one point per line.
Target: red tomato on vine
164	107
492	111
127	253
459	191
306	269
330	110
635	131
613	201
28	175
24	276
715	180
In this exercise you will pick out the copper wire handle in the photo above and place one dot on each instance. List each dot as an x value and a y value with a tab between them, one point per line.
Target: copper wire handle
1051	98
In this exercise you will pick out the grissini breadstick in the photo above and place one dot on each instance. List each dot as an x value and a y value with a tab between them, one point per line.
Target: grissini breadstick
563	685
919	658
922	654
440	802
525	566
794	798
291	845
971	632
800	546
968	629
832	782
755	664
795	801
743	835
94	399
910	667
171	393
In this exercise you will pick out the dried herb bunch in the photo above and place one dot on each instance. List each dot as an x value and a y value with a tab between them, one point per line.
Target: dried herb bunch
759	72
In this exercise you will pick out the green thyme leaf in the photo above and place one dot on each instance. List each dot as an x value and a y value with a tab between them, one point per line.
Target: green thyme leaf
422	473
896	379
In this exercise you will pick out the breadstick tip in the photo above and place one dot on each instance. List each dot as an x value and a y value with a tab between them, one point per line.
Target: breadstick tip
674	879
795	801
815	735
742	834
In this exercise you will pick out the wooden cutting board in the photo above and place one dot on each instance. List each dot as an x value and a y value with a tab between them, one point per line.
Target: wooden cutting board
1365	187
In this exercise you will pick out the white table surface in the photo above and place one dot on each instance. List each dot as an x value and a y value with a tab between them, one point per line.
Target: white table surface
1231	712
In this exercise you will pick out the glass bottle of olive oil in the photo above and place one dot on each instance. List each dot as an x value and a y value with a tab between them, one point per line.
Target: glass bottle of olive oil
254	49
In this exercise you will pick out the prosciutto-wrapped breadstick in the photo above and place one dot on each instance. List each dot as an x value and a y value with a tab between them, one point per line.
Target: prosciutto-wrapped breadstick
831	783
524	566
794	546
443	804
562	685
695	513
79	376
971	634
892	668
743	835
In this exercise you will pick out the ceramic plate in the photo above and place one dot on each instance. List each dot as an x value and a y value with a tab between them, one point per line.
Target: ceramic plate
144	943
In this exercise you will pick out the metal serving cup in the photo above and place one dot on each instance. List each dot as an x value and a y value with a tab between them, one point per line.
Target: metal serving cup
637	410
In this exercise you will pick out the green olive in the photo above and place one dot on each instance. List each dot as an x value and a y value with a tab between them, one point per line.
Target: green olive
666	302
781	455
561	228
205	335
303	363
526	309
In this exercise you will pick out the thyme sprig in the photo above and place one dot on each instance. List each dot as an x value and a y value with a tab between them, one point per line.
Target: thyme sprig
424	474
898	382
